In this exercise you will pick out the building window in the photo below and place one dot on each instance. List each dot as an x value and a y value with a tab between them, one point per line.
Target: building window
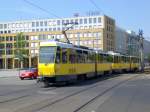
85	21
50	29
58	29
37	24
90	20
76	20
54	29
58	22
41	23
34	37
67	21
63	22
33	30
27	37
1	26
94	20
37	30
11	38
81	21
9	45
7	38
99	20
27	45
8	52
5	26
45	29
9	31
71	20
45	23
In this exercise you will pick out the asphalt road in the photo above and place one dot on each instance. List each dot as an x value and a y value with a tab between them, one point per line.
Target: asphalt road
120	93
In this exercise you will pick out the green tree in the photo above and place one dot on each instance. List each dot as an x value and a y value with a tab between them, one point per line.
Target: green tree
20	51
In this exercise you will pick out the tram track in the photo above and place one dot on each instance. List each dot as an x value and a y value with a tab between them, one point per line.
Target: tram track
47	103
83	107
13	99
103	93
18	97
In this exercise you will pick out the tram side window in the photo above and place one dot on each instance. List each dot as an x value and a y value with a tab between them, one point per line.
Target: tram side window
109	58
104	58
119	59
90	57
138	60
132	60
85	56
64	55
93	57
135	60
100	58
128	59
115	59
122	59
72	56
58	55
79	56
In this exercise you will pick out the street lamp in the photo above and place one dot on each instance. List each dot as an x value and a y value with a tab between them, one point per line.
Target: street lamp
140	39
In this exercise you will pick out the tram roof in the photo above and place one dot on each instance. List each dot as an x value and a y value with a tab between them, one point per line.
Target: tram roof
64	45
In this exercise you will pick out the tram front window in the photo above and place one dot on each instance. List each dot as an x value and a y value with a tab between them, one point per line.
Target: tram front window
47	54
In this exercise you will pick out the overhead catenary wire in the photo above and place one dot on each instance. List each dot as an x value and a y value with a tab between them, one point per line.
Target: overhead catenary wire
96	6
42	9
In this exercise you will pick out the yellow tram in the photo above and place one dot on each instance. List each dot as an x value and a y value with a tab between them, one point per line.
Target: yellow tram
60	61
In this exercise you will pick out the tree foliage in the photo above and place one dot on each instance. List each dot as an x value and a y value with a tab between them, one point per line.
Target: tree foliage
20	44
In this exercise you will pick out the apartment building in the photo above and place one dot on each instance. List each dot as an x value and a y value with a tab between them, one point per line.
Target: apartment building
91	31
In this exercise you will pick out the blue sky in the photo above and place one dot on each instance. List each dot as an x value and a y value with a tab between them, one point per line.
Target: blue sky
129	14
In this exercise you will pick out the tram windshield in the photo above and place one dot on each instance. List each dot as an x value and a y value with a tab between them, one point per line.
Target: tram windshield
47	54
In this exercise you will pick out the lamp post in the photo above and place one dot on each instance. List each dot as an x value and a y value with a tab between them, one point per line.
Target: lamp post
141	38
